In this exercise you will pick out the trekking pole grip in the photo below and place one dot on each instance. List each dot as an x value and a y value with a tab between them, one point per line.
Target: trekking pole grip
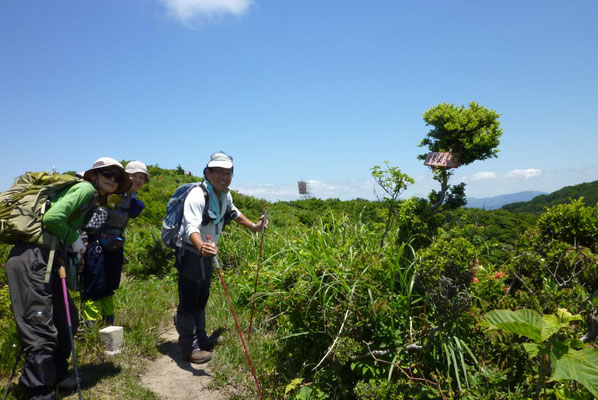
264	221
215	258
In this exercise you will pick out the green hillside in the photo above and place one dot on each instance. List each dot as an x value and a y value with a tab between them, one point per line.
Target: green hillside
345	310
587	190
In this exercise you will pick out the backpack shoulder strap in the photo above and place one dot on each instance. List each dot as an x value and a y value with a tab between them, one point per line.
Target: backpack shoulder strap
205	215
86	208
203	187
229	215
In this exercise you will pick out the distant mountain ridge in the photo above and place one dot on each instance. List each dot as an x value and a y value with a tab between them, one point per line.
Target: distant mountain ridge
587	190
492	203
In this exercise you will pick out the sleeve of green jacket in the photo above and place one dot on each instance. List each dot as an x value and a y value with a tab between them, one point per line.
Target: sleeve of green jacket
59	219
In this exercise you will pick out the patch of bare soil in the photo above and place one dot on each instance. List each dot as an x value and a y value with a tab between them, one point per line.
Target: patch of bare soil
172	378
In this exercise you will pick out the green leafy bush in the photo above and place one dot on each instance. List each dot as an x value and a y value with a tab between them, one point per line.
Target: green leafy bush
574	223
444	273
557	356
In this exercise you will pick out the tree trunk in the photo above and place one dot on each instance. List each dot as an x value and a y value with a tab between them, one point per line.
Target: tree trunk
389	219
592	329
441	195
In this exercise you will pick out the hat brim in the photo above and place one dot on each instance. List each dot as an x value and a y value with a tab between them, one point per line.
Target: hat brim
122	187
220	164
134	171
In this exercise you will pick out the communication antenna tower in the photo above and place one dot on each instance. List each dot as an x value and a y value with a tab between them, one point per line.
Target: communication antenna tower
303	189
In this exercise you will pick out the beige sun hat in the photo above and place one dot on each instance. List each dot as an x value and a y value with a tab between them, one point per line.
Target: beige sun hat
107	162
137	166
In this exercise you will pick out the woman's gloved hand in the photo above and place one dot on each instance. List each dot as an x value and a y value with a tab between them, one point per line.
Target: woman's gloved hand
78	246
136	207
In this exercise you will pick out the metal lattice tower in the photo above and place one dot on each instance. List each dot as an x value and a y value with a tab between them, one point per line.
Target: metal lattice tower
303	189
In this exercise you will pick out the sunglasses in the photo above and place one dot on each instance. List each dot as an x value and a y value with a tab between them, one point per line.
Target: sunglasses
106	173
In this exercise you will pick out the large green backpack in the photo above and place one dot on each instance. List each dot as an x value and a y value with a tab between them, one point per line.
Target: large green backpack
23	206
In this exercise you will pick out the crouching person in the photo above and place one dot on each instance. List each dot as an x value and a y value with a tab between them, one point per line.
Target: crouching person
36	292
105	249
207	209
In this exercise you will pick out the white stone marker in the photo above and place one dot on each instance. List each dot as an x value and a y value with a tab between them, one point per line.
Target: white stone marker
112	338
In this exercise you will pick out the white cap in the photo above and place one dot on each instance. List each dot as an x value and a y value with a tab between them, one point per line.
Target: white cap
220	160
137	166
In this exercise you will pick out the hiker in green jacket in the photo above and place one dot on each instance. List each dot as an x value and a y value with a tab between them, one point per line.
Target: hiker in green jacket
37	302
104	257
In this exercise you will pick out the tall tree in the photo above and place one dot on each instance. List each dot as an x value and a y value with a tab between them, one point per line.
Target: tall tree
469	134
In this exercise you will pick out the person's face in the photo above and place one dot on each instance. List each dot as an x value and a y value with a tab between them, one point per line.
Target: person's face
138	180
108	180
219	178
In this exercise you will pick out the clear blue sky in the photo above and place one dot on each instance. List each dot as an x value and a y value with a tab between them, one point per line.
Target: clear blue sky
314	90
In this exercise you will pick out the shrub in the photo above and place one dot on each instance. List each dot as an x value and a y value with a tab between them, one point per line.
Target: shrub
573	223
444	273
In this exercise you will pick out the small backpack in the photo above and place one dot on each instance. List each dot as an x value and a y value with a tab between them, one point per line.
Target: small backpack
23	206
171	224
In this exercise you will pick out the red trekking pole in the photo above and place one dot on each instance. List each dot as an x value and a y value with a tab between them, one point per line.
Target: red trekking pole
257	272
62	274
259	389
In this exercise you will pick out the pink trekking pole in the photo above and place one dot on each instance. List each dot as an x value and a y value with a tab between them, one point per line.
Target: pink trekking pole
259	389
257	272
62	274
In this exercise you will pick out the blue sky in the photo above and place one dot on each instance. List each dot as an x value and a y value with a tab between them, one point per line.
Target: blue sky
313	90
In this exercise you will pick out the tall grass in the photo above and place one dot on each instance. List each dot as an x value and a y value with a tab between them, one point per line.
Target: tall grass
328	295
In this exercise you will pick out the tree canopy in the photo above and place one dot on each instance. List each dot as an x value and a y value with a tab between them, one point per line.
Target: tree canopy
471	134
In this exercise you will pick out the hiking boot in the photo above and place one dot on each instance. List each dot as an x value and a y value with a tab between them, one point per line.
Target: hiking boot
211	341
199	357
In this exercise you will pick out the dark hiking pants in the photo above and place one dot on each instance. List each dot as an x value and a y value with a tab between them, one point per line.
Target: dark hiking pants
195	276
40	317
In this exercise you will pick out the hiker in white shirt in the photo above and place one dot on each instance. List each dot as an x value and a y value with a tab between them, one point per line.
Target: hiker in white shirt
207	210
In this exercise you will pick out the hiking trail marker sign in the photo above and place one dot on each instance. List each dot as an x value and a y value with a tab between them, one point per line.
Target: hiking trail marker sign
443	159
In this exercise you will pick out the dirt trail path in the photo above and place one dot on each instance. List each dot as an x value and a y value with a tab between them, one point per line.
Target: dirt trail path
172	378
